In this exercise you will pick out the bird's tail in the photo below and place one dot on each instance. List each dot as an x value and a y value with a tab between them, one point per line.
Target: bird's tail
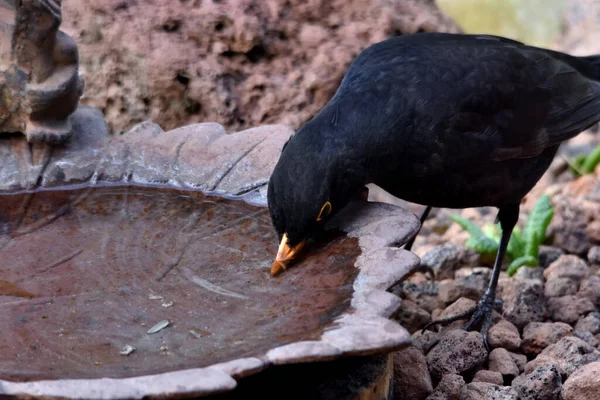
594	61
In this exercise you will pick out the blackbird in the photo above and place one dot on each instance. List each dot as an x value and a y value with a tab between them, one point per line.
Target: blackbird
443	120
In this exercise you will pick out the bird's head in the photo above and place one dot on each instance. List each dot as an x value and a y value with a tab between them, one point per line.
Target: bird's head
310	183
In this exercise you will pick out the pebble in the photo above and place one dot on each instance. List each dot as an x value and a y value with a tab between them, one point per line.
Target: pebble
590	323
593	255
590	289
501	361
470	284
543	383
488	376
548	254
443	260
487	391
567	266
560	287
527	272
568	354
520	361
569	308
504	334
457	352
412	317
539	335
411	376
583	384
449	388
424	341
524	301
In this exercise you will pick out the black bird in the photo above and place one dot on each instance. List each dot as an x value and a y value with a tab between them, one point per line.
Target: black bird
443	120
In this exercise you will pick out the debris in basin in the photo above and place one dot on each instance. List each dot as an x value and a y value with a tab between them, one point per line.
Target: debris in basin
168	304
195	334
10	289
158	327
127	350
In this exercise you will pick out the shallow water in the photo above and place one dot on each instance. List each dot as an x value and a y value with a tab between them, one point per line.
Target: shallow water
85	272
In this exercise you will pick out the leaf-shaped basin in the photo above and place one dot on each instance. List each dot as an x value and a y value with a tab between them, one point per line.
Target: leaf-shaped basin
92	269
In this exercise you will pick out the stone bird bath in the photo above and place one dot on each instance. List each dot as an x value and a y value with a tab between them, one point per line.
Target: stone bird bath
103	237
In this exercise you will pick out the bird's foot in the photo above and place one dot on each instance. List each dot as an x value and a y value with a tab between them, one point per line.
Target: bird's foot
479	316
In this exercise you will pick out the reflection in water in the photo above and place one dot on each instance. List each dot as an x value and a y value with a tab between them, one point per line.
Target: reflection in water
83	273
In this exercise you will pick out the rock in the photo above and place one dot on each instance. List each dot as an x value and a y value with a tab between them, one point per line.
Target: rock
527	272
543	383
593	255
524	301
412	317
567	266
520	361
487	391
493	377
237	63
569	308
469	283
560	287
457	352
426	340
583	384
449	388
411	376
443	260
590	289
587	337
39	75
504	334
501	361
420	294
572	215
549	254
539	335
459	306
593	231
567	354
590	323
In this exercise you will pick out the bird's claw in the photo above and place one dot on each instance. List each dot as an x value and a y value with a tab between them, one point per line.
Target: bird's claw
480	315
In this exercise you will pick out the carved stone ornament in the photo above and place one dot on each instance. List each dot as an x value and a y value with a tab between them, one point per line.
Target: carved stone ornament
40	84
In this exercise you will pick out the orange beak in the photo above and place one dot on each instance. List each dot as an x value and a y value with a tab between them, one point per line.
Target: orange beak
285	254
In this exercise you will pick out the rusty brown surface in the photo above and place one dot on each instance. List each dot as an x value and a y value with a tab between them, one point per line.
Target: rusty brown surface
57	260
40	84
103	264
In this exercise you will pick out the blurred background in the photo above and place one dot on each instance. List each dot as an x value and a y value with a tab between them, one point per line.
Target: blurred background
244	63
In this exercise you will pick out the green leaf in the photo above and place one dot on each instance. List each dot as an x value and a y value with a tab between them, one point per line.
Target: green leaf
575	165
492	232
478	240
516	245
534	232
591	161
519	262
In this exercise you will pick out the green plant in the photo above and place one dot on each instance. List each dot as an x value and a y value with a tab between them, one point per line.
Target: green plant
585	164
523	247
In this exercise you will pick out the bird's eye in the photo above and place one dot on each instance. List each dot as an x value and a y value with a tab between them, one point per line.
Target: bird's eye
325	210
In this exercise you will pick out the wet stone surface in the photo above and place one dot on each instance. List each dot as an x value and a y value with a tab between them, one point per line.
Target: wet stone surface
87	272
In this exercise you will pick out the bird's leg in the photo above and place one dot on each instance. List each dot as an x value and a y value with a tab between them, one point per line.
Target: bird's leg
424	214
481	314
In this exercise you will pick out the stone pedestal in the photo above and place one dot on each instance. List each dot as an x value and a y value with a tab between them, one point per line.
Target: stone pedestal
40	84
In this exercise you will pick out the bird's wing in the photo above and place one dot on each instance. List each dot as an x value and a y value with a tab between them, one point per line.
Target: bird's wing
546	102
